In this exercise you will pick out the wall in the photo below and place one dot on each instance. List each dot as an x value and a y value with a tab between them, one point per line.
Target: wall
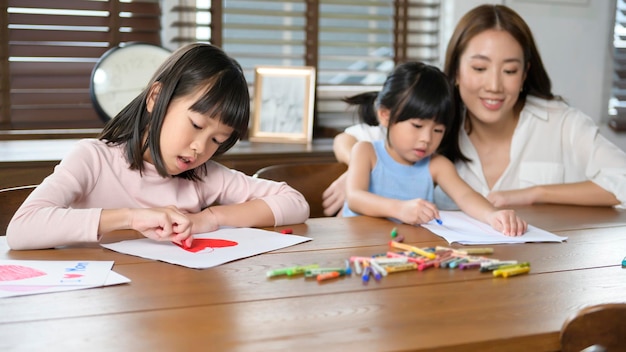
575	41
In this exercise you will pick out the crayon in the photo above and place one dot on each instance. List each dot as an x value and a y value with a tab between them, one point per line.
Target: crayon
293	270
316	271
511	271
378	268
403	267
366	274
419	251
485	250
329	275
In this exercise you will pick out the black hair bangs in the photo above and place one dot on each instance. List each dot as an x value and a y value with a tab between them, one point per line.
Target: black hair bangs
429	98
227	99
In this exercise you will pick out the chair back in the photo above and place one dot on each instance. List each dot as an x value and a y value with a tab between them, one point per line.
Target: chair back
310	179
596	328
10	200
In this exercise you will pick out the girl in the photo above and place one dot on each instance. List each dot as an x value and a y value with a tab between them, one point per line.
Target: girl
150	170
395	177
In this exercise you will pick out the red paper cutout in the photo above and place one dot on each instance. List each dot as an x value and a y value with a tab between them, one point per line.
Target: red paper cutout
203	243
18	272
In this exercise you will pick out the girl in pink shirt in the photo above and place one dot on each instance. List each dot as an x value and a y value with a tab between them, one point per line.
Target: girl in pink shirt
150	171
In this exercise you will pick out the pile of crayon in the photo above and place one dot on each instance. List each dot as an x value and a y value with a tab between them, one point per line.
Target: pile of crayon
407	257
312	271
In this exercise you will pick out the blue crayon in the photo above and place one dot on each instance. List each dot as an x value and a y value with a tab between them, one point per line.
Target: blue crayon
366	274
439	221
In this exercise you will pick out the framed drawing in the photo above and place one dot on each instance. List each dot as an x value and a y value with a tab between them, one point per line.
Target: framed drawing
283	104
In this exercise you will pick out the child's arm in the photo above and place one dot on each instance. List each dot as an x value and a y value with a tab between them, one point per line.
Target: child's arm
253	213
471	202
160	224
236	199
360	200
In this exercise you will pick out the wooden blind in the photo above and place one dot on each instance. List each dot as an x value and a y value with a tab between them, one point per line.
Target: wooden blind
352	43
617	103
49	48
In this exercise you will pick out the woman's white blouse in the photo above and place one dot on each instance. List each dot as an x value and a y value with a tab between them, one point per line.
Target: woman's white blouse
552	143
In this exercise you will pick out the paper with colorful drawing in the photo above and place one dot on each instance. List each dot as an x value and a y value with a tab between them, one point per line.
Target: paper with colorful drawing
210	249
461	228
29	277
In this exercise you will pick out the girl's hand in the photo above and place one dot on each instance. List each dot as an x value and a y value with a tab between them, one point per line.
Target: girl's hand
163	224
204	221
417	211
507	222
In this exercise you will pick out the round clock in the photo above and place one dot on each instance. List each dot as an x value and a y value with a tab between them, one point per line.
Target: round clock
121	74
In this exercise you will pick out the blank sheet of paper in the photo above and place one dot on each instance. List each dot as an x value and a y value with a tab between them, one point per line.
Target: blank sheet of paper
461	228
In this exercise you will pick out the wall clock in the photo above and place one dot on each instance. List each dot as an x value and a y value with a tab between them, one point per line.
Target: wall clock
121	74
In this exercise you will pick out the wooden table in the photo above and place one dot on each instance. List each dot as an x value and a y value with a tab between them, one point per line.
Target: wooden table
235	307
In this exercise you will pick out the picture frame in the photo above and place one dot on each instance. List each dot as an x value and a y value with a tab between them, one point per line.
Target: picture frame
283	102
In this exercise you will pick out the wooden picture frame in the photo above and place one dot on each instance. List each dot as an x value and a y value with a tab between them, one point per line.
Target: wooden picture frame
283	101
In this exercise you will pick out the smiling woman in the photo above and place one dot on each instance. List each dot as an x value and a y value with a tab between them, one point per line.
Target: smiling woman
524	144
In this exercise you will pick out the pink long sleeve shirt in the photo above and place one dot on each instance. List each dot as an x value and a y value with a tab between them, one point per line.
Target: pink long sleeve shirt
66	206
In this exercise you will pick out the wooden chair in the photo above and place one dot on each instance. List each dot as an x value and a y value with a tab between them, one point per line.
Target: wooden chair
10	200
598	328
310	179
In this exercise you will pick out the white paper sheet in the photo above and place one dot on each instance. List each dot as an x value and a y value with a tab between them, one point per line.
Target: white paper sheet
29	277
54	272
461	228
222	246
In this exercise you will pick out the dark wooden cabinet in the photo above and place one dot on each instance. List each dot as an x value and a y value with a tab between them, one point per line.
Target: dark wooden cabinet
29	162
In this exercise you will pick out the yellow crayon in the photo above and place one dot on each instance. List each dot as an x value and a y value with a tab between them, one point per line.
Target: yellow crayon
511	271
413	249
400	267
485	250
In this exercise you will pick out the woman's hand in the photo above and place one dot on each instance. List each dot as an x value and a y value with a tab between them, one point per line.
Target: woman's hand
334	196
507	222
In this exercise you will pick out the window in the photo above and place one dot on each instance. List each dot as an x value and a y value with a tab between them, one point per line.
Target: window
48	48
353	43
617	103
47	52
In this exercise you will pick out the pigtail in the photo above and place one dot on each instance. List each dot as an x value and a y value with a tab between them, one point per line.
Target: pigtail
366	106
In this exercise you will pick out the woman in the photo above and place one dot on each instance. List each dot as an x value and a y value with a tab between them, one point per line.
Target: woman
524	144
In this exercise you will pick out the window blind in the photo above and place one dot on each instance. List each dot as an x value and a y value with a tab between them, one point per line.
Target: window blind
353	44
617	103
47	52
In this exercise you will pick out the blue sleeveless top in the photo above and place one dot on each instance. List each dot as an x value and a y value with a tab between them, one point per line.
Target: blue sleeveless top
391	179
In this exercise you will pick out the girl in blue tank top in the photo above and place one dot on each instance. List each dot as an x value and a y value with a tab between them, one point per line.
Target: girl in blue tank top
395	178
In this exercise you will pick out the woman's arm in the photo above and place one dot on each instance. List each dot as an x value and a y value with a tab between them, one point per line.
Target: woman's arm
581	193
